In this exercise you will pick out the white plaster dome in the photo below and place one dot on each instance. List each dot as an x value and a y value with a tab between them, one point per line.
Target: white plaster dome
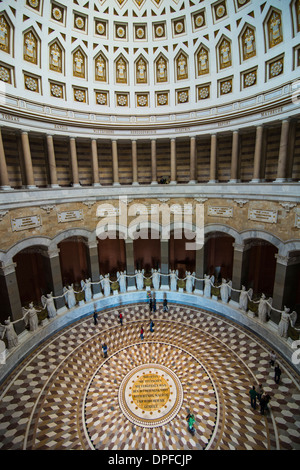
145	57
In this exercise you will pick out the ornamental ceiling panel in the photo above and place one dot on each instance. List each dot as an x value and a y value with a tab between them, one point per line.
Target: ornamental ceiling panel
168	56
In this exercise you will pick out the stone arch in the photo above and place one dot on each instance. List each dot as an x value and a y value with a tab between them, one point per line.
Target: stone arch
263	235
6	257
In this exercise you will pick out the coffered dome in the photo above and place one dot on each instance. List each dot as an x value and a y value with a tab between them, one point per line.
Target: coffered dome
146	57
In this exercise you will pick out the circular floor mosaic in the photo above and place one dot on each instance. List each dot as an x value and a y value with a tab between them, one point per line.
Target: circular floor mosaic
65	395
151	395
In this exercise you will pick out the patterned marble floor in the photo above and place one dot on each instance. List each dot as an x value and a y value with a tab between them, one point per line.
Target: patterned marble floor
65	394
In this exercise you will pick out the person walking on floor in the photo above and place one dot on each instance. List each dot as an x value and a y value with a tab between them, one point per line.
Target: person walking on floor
253	395
272	358
151	325
165	305
142	332
121	318
95	318
264	403
104	348
277	375
259	392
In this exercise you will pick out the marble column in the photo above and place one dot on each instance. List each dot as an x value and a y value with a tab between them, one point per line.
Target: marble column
283	154
13	304
234	177
27	161
238	270
285	284
193	178
54	278
4	179
258	155
164	267
153	162
173	161
115	163
95	167
74	163
134	163
52	162
93	262
199	270
130	264
213	159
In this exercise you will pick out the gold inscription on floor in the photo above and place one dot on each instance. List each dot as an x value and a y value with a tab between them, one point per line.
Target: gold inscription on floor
150	392
150	395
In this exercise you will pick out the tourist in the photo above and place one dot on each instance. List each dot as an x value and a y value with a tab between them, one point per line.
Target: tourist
277	375
121	318
259	392
151	325
104	348
253	395
95	318
272	358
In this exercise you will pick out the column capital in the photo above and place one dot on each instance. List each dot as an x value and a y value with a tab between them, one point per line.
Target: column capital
8	268
239	247
52	253
287	260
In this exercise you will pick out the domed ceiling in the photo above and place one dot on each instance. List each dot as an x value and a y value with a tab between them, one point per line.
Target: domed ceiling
145	56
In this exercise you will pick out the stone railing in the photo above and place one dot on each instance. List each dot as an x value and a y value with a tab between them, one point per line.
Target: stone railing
154	284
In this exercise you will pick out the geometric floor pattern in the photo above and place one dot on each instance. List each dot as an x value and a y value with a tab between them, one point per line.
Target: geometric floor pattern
64	395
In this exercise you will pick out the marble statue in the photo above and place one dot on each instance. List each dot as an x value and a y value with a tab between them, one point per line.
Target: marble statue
31	317
156	279
105	284
264	309
70	296
190	281
225	290
87	288
244	297
286	318
173	280
121	277
11	335
48	303
139	278
208	282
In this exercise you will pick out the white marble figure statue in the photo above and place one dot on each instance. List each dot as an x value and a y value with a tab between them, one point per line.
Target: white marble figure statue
173	280
190	281
139	278
286	318
225	290
245	296
86	286
30	317
70	296
48	303
121	277
105	284
11	335
264	309
208	282
156	278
